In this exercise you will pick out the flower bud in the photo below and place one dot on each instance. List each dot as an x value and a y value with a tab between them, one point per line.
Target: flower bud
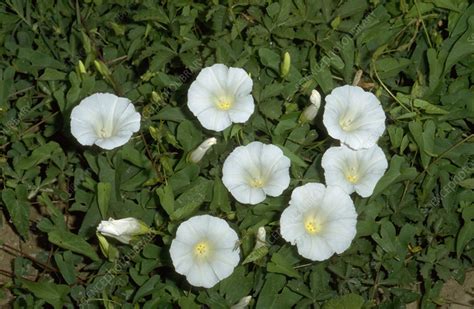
311	111
103	69
123	229
315	98
243	303
155	97
285	65
200	151
81	67
260	239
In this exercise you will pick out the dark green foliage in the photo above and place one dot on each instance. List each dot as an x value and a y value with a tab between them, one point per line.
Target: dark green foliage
415	232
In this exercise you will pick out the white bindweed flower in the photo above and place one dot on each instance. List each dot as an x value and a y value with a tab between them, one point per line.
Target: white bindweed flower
201	150
320	220
123	229
205	250
310	112
354	170
251	172
354	116
104	119
220	96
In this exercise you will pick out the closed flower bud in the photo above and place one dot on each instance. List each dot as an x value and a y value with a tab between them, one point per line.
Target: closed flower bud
311	111
155	97
123	230
200	151
285	65
243	303
103	69
315	98
82	68
261	235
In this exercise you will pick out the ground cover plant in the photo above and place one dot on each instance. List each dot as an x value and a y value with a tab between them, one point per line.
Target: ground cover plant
131	193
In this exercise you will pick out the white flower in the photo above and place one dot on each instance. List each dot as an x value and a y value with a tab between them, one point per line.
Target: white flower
311	110
220	96
205	250
251	172
105	120
320	220
122	229
201	150
354	170
354	117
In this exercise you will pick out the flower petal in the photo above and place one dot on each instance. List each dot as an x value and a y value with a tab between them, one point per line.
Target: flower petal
291	224
242	109
214	119
239	82
314	248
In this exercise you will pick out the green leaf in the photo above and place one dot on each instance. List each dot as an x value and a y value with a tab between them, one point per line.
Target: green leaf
104	190
220	197
416	130
166	195
271	108
52	74
256	255
73	242
269	58
428	137
147	288
467	183
188	202
170	113
39	59
295	159
66	266
349	301
55	294
395	173
273	284
39	155
463	46
428	107
466	234
18	208
188	135
280	264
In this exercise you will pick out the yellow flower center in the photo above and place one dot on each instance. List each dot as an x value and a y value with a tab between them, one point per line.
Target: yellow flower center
352	176
201	249
224	103
312	225
346	124
257	183
104	133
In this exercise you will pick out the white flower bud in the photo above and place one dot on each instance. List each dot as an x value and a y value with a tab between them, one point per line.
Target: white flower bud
200	151
315	98
311	111
243	303
261	235
123	229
